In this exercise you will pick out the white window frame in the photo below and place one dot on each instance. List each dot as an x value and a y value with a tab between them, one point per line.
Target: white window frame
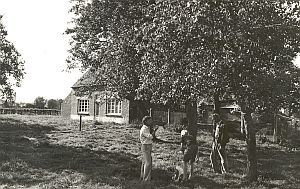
83	106
113	106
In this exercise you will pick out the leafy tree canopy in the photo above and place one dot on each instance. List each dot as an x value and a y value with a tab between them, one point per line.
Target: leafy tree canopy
173	51
11	65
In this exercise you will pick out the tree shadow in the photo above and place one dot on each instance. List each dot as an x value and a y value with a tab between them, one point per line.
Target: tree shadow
28	158
204	182
278	166
157	140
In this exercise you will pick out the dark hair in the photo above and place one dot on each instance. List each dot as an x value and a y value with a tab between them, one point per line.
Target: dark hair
145	119
216	117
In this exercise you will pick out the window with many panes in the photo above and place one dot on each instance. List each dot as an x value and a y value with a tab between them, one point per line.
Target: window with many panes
83	106
113	107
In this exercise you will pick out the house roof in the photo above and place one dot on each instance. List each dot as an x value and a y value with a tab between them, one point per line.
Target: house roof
88	79
67	98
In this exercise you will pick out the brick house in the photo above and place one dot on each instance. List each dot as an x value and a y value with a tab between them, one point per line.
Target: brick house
97	106
103	107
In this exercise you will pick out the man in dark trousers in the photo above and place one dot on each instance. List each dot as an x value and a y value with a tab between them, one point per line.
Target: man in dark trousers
220	140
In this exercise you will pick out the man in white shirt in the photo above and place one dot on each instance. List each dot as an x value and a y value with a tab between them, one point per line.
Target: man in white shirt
146	147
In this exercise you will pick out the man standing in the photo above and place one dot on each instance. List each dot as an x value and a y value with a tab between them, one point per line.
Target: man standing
221	138
146	141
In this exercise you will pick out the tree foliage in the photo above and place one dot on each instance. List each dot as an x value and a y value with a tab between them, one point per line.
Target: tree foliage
103	40
11	65
39	102
197	48
170	51
54	104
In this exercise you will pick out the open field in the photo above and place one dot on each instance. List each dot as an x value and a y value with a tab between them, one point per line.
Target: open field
50	152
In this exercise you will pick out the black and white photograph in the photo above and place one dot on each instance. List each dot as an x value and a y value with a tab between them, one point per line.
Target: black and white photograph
149	94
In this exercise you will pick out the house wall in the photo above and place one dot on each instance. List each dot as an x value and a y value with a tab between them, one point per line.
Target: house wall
74	106
101	117
123	118
66	107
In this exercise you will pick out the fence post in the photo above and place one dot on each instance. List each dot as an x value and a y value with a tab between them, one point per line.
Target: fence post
80	120
169	117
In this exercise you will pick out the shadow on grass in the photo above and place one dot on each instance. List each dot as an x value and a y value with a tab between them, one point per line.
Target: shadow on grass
204	182
157	140
28	158
280	167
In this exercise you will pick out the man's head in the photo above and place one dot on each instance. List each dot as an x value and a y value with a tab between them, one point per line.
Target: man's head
147	120
216	117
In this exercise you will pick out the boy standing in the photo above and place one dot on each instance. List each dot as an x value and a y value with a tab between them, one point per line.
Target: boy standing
189	149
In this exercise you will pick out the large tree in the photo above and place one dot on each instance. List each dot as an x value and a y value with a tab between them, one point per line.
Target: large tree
11	65
177	51
246	48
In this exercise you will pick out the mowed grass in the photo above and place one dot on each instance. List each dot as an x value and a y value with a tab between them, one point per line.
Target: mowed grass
50	152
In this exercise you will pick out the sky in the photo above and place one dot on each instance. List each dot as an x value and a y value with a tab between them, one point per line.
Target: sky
36	29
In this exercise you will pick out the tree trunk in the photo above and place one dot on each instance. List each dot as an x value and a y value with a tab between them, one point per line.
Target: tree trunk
251	148
138	109
191	113
214	153
217	106
275	133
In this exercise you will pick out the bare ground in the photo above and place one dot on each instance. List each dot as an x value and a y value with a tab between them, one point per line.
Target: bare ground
50	152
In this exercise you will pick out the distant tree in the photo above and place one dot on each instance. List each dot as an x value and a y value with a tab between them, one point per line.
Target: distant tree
60	101
11	65
40	102
54	103
29	105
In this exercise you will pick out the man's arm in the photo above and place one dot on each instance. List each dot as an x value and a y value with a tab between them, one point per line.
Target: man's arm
146	133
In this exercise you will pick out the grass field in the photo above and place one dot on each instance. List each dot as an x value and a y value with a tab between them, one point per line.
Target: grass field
50	152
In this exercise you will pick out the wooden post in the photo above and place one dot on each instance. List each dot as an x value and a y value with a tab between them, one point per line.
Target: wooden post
80	120
150	112
94	115
169	117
